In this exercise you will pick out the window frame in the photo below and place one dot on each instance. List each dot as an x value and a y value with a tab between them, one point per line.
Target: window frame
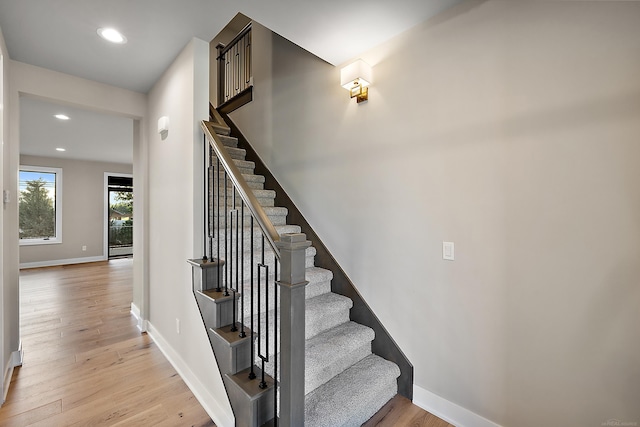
58	205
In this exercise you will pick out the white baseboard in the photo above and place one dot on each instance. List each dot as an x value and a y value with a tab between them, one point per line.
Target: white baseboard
6	381
14	360
218	414
17	356
56	262
142	323
448	411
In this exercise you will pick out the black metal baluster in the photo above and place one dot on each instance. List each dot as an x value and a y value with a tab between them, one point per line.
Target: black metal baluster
206	199
265	357
275	339
211	204
226	238
252	374
217	219
233	212
242	332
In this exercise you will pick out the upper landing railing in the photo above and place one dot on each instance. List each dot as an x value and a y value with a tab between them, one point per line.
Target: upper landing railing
234	67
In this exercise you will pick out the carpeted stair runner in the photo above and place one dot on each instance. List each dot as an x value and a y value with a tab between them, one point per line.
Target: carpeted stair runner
345	384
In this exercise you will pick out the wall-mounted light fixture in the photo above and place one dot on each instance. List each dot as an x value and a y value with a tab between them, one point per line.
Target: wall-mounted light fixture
356	78
163	126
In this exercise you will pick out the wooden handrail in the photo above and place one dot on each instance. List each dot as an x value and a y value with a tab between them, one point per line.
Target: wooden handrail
225	48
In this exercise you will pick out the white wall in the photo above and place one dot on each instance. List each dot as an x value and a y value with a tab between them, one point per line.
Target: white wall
511	129
6	319
175	225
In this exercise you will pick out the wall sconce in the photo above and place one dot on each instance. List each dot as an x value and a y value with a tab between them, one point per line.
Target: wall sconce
356	77
163	126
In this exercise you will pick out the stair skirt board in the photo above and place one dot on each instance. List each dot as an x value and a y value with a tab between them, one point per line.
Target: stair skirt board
345	383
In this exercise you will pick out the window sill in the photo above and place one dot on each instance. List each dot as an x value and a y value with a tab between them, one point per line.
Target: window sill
34	242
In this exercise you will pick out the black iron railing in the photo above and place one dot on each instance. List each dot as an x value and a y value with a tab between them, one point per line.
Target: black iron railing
234	66
239	232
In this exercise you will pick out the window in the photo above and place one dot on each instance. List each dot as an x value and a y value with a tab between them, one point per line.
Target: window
40	205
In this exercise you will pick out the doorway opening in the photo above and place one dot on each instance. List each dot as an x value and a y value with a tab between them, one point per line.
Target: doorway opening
120	218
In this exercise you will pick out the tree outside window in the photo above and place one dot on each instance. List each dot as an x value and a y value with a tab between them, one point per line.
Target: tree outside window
40	205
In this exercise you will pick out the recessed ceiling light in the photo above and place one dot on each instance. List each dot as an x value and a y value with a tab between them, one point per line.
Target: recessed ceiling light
112	35
61	117
61	149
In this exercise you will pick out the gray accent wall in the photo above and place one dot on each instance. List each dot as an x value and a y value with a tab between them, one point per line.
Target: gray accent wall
83	209
511	129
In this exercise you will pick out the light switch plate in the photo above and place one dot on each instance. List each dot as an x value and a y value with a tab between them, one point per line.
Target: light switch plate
448	251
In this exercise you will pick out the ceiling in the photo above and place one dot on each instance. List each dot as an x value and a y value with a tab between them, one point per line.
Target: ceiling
61	35
87	135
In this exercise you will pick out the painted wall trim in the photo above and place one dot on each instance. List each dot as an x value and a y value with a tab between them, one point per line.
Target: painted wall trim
15	360
142	324
8	373
56	262
448	411
210	404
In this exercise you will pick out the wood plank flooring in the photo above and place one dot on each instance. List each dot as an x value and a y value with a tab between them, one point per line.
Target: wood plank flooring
86	363
399	411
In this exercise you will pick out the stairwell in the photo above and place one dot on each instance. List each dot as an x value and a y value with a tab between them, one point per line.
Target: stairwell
344	382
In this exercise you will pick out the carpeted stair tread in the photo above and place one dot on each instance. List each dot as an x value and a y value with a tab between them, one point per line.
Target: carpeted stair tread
331	352
220	129
252	180
237	153
264	197
229	141
269	210
277	215
245	164
319	283
310	254
353	396
325	312
260	193
249	177
322	313
280	229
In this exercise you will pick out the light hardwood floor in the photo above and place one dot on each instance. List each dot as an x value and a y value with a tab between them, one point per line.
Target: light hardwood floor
86	363
399	411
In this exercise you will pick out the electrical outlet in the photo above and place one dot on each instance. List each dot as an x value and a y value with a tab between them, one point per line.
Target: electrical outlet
178	326
84	247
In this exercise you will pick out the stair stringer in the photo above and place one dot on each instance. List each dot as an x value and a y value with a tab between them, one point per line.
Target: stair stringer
383	344
251	406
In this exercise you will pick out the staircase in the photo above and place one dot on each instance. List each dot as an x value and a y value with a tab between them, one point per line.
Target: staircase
344	383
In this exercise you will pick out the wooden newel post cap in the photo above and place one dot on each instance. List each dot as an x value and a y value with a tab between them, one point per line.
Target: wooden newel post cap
292	248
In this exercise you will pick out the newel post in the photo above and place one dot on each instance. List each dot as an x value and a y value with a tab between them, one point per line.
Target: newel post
292	311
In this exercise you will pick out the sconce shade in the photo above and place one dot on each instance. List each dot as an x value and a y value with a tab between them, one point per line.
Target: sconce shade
163	124
358	71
